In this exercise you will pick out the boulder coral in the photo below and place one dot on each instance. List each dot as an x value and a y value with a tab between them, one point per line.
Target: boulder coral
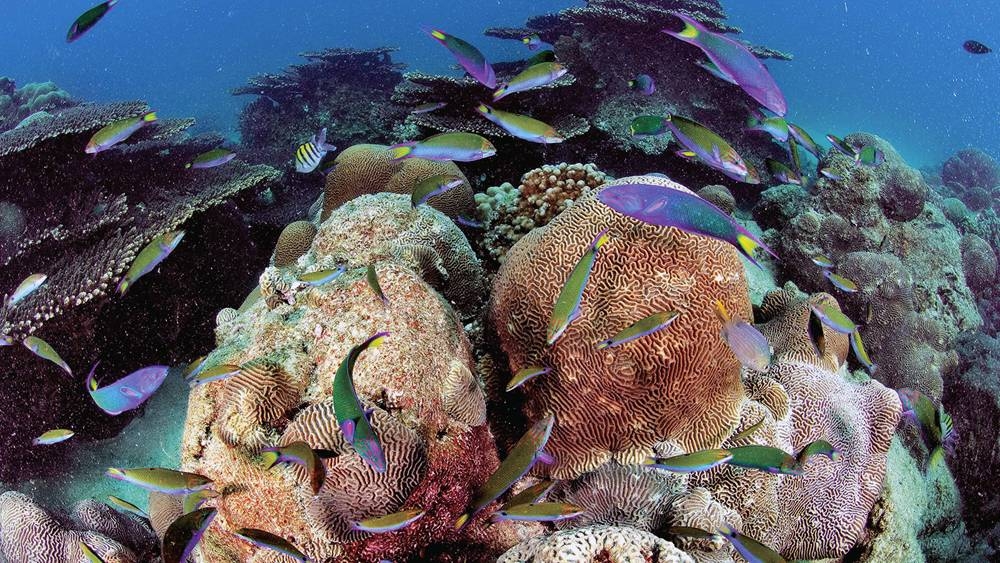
681	383
290	342
294	240
369	169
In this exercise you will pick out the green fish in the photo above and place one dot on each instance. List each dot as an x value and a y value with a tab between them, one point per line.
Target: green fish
521	126
117	131
372	276
858	347
567	305
833	318
267	540
869	155
89	553
823	261
819	447
804	139
817	336
695	461
212	158
195	500
711	149
532	493
535	76
433	186
452	145
88	20
749	430
53	437
751	550
648	126
935	425
525	374
776	127
690	532
183	535
322	277
127	506
194	368
26	288
351	416
43	350
539	512
640	328
150	257
389	523
765	458
522	456
840	282
157	479
214	373
299	453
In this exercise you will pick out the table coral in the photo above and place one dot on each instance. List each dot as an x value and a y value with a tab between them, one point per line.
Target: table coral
617	403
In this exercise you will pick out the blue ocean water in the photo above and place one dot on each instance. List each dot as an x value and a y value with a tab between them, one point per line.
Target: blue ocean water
885	66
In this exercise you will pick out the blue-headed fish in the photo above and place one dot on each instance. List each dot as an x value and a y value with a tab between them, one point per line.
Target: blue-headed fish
533	42
840	282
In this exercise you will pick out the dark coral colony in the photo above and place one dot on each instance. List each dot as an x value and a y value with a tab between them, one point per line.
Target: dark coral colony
593	363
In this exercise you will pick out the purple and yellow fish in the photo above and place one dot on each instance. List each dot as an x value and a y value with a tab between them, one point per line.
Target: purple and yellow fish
700	142
782	172
673	207
149	258
764	458
470	58
183	535
935	425
751	549
117	131
434	186
521	126
127	393
456	145
298	453
803	138
157	479
833	317
858	347
534	76
539	512
388	523
567	306
352	418
733	60
751	347
840	282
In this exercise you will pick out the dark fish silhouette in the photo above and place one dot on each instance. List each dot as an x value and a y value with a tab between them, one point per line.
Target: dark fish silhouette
976	48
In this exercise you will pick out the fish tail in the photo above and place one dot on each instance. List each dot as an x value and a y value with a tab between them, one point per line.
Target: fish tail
150	117
436	33
462	521
401	150
500	92
748	243
122	286
691	30
91	382
601	239
721	312
937	458
188	165
111	3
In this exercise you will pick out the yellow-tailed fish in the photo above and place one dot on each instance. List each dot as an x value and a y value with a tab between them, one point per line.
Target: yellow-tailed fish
43	350
470	58
428	107
352	418
534	76
775	126
376	288
749	431
88	20
388	523
840	282
695	461
521	126
858	347
711	149
539	512
833	317
26	288
195	500
117	131
53	437
644	84
127	506
463	147
89	554
433	186
322	277
522	456
267	540
531	494
301	454
157	479
150	257
214	373
765	458
782	173
751	549
525	374
818	447
211	159
640	328
183	535
751	347
567	306
310	153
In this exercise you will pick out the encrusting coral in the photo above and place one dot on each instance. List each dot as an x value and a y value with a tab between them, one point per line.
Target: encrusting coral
436	447
617	403
508	213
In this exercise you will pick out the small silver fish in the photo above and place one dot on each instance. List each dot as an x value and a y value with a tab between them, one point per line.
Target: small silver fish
26	288
751	347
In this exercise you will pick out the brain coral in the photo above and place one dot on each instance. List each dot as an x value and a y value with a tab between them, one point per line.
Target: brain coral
289	345
369	169
681	384
294	240
979	262
597	544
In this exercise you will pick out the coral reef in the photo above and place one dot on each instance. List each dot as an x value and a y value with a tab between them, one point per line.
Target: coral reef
508	213
877	226
22	106
28	533
297	336
970	175
643	269
294	240
594	544
369	169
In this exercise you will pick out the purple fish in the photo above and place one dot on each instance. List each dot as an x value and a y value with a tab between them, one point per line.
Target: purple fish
128	392
751	347
468	222
668	206
643	84
471	59
733	60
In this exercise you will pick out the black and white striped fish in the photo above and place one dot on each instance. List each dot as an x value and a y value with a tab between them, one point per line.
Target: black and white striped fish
311	153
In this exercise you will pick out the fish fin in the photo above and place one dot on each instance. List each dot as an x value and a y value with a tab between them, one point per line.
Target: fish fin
721	312
462	521
937	458
690	31
748	244
347	429
601	239
91	381
111	3
685	154
150	117
545	457
437	34
500	92
122	286
401	150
